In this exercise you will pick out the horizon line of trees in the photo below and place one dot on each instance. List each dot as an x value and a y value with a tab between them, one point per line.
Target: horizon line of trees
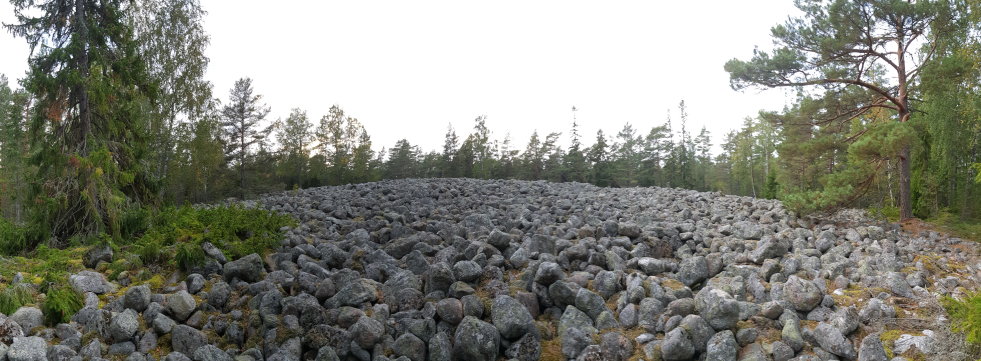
115	118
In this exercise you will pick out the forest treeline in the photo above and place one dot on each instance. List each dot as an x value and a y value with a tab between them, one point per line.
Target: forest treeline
114	119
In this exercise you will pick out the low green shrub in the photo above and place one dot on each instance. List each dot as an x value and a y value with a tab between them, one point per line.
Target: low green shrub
965	316
236	230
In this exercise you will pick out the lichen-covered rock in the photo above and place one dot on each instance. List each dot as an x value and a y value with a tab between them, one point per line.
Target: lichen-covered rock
248	269
548	273
185	339
525	349
574	341
831	340
450	310
137	298
722	347
410	346
511	317
476	340
717	307
693	270
615	346
677	345
791	334
28	318
871	349
366	332
607	284
440	348
210	353
123	326
28	349
181	304
802	294
591	303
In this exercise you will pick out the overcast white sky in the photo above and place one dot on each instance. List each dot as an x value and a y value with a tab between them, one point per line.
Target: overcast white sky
407	69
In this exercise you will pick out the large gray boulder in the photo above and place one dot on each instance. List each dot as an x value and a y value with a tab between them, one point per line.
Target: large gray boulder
871	349
137	298
123	326
717	307
722	347
185	339
899	286
28	318
573	318
511	317
28	349
97	254
693	270
677	345
831	340
440	348
802	294
248	269
476	340
574	341
700	331
181	304
9	330
591	303
88	281
525	349
615	346
466	271
366	332
548	273
410	346
768	248
791	334
607	284
210	353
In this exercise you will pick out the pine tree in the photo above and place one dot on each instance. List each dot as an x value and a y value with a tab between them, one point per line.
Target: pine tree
839	46
240	118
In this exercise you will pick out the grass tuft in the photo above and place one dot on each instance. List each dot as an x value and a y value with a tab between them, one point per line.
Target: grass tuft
14	297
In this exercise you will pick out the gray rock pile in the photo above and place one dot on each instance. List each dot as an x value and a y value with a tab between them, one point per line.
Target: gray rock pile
456	269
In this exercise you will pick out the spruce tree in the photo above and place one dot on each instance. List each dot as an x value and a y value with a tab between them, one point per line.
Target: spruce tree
86	131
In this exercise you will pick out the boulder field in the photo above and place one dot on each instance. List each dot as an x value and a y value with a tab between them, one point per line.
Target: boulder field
460	269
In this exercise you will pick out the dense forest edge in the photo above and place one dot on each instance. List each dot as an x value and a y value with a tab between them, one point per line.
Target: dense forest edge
113	135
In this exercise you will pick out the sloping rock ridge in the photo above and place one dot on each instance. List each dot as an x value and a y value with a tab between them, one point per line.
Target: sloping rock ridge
459	269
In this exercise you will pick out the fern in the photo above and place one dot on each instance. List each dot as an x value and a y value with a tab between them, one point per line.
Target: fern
60	303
